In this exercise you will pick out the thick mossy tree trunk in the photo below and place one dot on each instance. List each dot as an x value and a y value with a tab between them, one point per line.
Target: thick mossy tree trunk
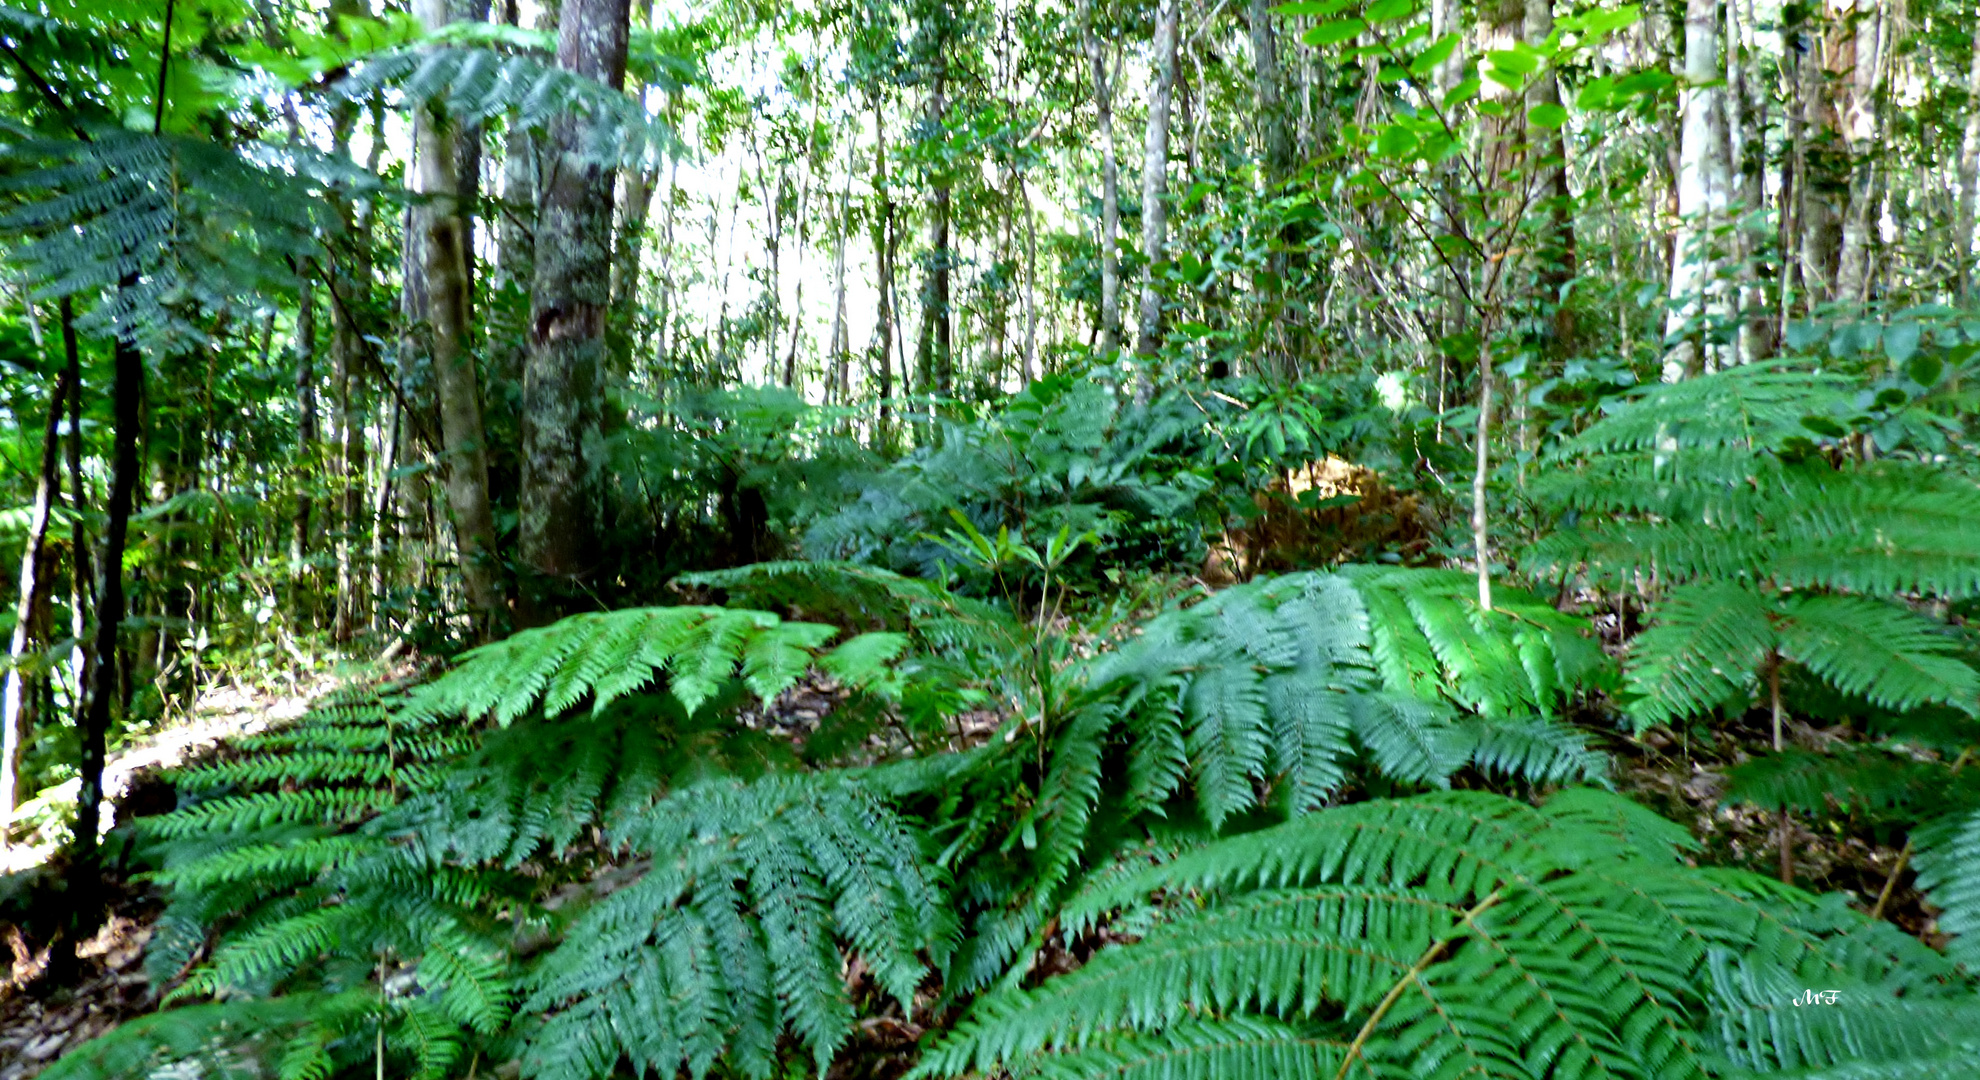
563	443
439	221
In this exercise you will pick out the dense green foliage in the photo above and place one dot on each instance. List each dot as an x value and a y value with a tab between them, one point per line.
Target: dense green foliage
1098	538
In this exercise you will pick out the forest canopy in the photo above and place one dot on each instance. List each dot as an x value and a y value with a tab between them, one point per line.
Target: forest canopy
975	538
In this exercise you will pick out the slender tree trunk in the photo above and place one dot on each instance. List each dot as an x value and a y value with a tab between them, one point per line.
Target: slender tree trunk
840	379
1030	360
441	226
1556	263
1969	181
1110	182
1155	184
17	701
127	397
1481	476
1268	87
663	319
883	254
1747	126
82	582
306	438
563	444
935	362
1704	196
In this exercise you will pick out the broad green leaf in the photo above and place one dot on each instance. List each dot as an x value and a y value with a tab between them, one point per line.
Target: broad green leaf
1438	51
1547	115
1901	341
1395	141
1925	370
1382	11
1599	93
1333	33
1520	60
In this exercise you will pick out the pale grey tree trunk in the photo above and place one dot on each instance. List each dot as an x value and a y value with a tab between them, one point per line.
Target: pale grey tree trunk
1704	189
17	701
306	431
441	229
1110	181
1866	54
1155	182
1969	181
563	442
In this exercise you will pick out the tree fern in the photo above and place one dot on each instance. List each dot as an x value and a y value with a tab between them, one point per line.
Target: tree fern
606	656
1282	683
1949	876
195	224
731	934
1452	934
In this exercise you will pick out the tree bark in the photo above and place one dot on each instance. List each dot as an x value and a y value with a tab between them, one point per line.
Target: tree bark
563	445
1704	196
1268	87
935	359
440	223
883	254
1029	362
1969	181
1155	184
1110	182
1820	242
1859	129
17	701
127	397
82	583
306	434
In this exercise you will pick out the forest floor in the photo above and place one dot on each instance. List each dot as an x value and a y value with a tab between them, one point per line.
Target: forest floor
1684	780
37	1022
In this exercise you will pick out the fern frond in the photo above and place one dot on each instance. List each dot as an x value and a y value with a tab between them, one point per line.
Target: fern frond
1203	1050
1750	406
1883	653
1701	651
1853	777
1949	876
759	878
476	83
231	1040
611	654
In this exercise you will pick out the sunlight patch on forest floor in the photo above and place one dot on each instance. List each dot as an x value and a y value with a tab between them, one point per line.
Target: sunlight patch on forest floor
220	714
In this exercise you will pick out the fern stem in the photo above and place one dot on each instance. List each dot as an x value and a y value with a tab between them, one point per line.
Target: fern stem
1430	956
1787	832
1480	525
1904	856
164	67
